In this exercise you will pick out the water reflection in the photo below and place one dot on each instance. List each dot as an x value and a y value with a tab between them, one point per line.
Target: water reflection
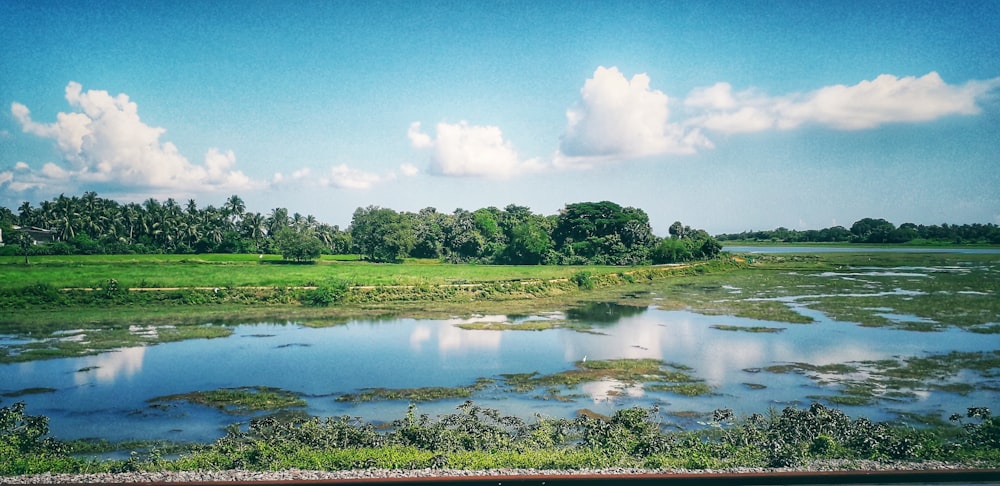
605	391
453	339
106	395
108	367
603	312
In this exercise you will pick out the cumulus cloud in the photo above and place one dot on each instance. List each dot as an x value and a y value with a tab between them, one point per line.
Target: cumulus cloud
409	170
340	176
624	118
865	105
345	177
468	150
105	141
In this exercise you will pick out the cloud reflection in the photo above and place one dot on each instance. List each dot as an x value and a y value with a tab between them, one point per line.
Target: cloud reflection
108	367
452	339
689	339
607	390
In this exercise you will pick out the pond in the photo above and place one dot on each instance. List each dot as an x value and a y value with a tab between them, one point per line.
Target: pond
108	395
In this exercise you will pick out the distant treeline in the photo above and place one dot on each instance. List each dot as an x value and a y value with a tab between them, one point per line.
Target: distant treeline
869	230
582	233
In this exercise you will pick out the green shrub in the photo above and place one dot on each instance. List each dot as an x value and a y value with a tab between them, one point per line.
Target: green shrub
583	280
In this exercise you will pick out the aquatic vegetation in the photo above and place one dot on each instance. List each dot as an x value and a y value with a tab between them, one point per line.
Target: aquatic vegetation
422	394
865	382
96	341
28	391
656	375
753	329
528	325
238	401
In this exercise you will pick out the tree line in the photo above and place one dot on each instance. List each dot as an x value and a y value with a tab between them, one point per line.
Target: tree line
871	230
582	233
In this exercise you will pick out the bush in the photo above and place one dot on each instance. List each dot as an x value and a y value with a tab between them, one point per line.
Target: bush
327	294
583	280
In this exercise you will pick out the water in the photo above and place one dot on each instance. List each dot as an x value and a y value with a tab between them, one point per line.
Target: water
106	395
857	249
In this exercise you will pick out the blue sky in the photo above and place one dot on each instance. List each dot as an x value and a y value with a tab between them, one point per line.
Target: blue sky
727	116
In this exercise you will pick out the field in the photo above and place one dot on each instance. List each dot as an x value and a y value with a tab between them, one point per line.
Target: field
187	271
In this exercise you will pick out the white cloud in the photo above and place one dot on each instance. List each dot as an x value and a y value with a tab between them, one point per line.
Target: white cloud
344	177
470	150
417	138
5	177
409	170
340	176
106	141
619	118
886	99
719	96
868	104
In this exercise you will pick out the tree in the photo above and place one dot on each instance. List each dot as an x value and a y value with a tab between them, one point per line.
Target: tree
299	246
604	233
869	230
24	241
382	235
529	244
676	230
427	227
671	250
234	209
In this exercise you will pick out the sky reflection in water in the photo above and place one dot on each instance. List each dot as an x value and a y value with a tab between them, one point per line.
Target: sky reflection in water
105	395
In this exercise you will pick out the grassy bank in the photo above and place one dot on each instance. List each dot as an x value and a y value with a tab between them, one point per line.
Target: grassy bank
478	438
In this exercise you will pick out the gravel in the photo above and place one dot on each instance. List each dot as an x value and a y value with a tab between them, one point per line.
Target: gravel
301	475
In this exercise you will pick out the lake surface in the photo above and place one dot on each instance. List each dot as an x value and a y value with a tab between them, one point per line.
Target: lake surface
858	249
106	395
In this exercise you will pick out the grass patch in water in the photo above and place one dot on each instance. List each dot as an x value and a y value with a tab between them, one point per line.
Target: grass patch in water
685	389
28	391
656	373
238	401
898	379
97	341
422	394
751	329
529	325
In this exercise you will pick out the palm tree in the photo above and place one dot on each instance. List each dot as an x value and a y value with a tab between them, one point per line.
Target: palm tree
253	228
26	215
234	209
277	221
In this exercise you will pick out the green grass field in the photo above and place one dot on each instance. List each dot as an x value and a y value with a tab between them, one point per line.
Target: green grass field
144	271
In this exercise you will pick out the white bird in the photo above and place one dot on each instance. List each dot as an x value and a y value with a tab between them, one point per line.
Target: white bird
584	358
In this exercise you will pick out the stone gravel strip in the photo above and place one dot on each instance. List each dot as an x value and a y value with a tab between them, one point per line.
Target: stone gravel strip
300	475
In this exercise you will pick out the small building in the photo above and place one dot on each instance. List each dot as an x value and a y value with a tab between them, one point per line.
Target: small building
38	235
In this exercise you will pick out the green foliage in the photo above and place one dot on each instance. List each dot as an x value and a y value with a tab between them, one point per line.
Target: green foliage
298	246
880	231
24	447
382	235
671	250
583	280
529	245
327	294
603	233
474	437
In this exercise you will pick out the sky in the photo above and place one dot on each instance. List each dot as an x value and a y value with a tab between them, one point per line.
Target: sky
726	116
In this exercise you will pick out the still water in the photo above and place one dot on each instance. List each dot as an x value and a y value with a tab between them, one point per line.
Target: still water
106	395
